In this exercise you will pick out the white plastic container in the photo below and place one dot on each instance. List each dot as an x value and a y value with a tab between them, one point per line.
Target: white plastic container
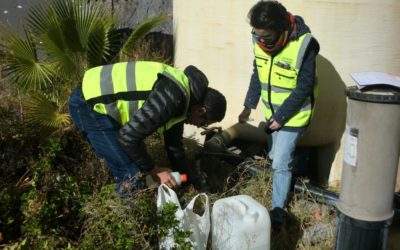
240	222
178	177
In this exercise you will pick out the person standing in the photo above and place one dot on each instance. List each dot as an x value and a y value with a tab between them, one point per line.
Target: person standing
284	78
117	106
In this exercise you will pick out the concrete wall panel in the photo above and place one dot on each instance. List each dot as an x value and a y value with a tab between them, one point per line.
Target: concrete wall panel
355	35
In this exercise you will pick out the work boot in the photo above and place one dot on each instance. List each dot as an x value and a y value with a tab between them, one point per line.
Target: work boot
278	217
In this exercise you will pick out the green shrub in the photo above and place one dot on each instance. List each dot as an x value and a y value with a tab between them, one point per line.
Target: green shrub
169	224
52	206
10	214
115	223
133	223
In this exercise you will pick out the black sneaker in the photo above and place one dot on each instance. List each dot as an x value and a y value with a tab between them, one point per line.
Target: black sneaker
278	217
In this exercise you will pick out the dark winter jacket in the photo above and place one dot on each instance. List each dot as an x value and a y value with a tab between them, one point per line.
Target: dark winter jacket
165	101
304	87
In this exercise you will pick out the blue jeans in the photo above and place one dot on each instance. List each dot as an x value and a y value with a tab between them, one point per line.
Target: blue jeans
102	133
282	155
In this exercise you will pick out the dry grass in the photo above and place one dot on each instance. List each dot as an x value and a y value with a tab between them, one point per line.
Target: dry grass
154	47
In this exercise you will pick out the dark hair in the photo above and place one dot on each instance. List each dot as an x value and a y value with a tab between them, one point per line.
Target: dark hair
269	15
215	104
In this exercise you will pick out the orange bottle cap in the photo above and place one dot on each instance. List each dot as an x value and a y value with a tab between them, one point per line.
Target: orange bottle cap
184	177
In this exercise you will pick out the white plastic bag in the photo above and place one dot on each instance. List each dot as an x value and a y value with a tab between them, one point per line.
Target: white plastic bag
199	225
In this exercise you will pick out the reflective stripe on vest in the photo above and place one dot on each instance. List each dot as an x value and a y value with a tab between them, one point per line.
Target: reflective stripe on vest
278	77
119	90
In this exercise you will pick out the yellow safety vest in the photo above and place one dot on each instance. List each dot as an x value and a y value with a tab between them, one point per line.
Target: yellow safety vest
278	77
119	90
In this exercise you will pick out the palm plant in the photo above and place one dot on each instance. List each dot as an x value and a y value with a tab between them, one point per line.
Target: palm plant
63	38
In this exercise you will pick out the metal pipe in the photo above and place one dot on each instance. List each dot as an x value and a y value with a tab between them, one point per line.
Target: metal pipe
225	155
319	194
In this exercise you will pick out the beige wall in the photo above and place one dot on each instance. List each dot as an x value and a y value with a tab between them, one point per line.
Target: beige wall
355	35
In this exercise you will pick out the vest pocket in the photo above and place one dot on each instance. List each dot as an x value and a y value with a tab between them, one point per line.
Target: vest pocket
262	69
285	78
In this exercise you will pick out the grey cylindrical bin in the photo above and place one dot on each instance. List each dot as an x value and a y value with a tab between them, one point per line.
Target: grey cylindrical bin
371	155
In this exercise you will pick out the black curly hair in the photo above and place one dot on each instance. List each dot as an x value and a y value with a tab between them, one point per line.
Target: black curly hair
269	15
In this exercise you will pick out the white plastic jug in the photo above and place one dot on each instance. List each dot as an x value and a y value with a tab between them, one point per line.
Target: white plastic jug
240	222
